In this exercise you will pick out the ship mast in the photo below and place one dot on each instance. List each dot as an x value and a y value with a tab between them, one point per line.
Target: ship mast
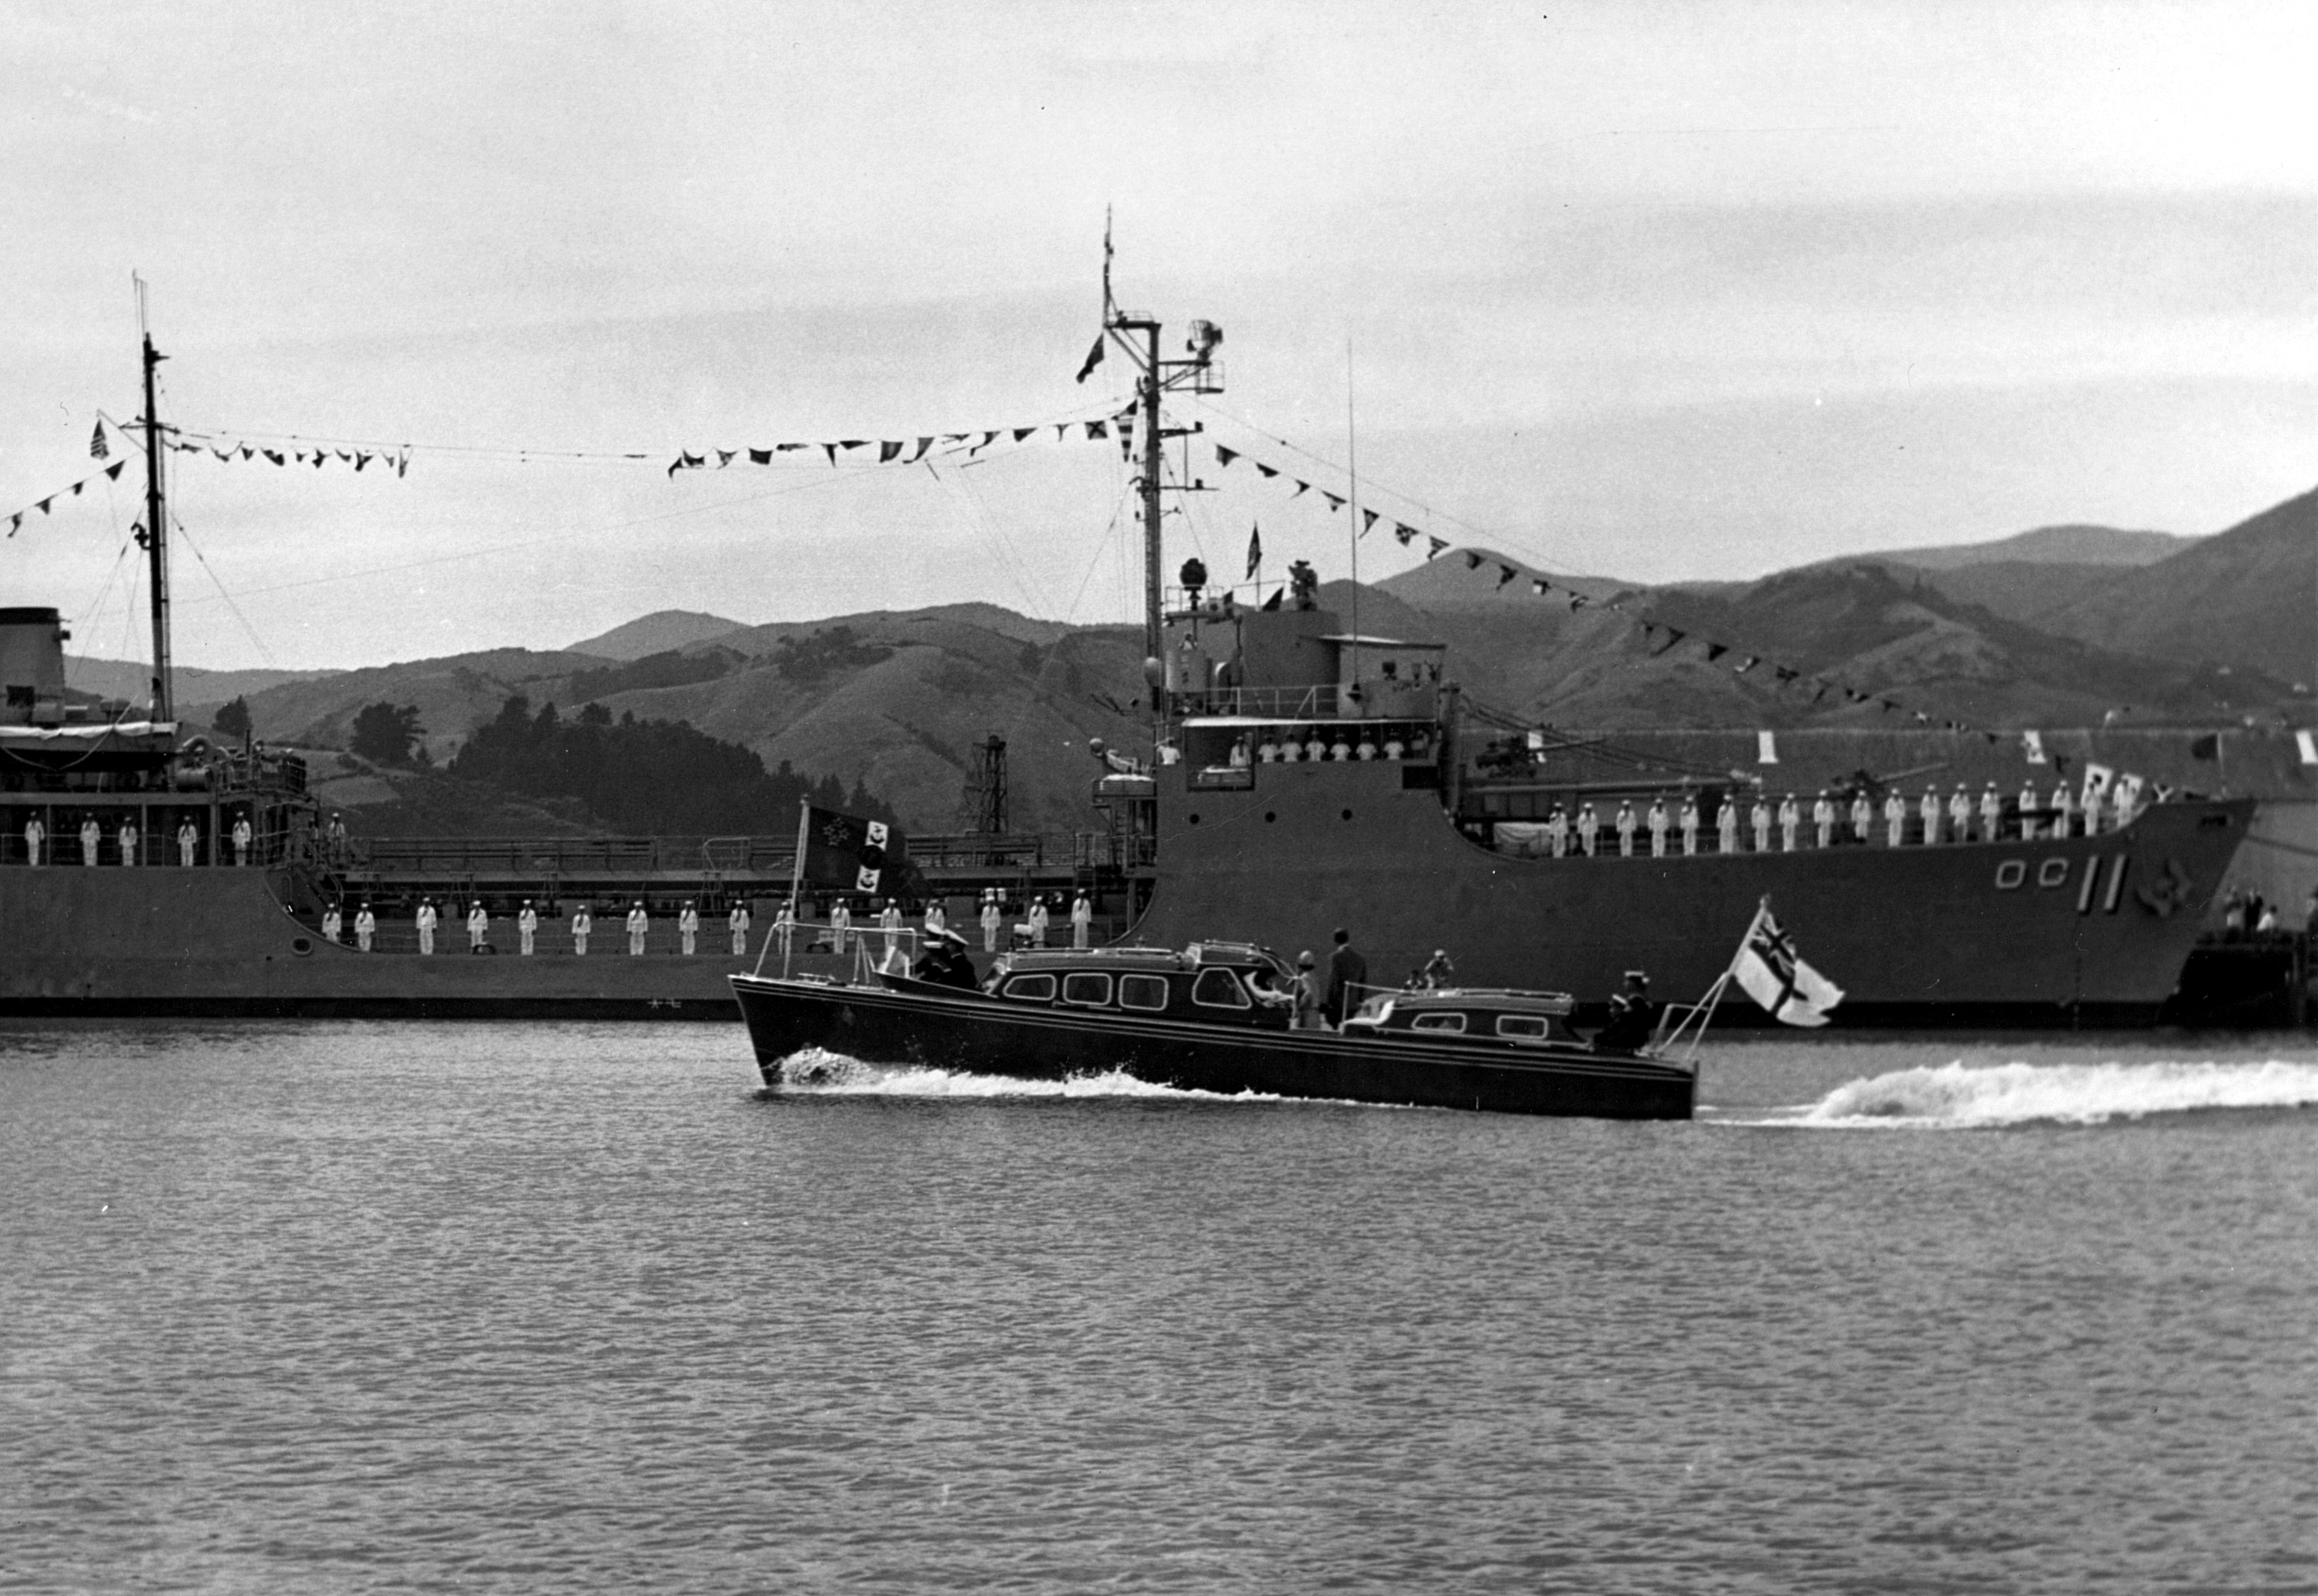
154	536
1139	335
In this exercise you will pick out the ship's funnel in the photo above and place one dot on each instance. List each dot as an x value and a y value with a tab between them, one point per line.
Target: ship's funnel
32	664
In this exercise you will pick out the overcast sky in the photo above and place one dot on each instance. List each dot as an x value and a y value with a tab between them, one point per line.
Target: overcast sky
1655	290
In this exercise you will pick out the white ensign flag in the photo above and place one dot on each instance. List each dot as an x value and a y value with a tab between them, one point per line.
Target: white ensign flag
1775	977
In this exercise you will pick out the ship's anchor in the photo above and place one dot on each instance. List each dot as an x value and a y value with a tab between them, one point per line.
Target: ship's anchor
2170	892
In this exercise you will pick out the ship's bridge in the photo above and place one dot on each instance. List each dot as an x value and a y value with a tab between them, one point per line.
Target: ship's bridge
1250	686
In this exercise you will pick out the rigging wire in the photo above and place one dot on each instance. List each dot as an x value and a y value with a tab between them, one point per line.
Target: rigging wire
210	571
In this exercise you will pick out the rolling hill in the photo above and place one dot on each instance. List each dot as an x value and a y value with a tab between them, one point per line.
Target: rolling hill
656	633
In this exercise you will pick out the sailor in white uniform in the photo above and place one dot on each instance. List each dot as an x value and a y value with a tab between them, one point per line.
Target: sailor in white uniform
1960	814
127	838
583	926
1689	825
2063	801
688	928
1082	920
1557	832
1929	810
639	928
1625	824
737	922
189	844
92	839
840	926
889	925
992	918
1895	819
527	925
242	838
36	836
1657	828
1589	828
1863	820
365	927
1758	819
478	926
331	923
427	920
2027	809
1038	920
1726	825
937	920
1991	815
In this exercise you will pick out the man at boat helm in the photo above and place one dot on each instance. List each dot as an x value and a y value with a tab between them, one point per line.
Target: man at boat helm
1348	972
1632	1017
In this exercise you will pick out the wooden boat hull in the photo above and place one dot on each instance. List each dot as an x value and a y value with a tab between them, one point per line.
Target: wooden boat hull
913	1024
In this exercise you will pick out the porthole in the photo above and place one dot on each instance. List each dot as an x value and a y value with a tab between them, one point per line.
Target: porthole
302	946
1269	816
1195	819
2011	874
2053	872
1348	814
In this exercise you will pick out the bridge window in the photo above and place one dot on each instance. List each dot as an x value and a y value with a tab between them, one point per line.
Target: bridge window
1218	989
1086	988
1452	1024
1143	991
1032	988
1529	1026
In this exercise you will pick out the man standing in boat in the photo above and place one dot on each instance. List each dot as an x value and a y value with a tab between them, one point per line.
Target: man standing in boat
1348	973
527	925
582	925
1633	1017
1307	994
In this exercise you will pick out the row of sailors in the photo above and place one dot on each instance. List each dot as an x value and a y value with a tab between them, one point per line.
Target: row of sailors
429	920
1292	747
889	920
128	844
1958	815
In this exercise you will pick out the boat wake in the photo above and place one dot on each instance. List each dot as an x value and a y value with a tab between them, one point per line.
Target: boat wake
1958	1096
833	1074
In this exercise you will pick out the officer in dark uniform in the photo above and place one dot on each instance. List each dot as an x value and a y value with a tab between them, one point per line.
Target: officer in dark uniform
1633	1017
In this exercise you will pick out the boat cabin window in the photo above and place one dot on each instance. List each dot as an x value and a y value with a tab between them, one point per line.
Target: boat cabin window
1532	1025
1453	1023
1086	987
1032	988
1143	991
1218	989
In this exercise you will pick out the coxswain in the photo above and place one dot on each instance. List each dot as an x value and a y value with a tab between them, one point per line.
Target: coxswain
478	926
1625	827
688	928
1759	818
1791	821
639	926
993	918
1589	828
365	927
331	923
582	925
189	844
1438	970
1082	921
1039	920
1823	818
427	920
1657	828
784	925
527	925
1895	819
36	836
840	926
92	839
127	838
889	922
1633	1017
1689	825
242	838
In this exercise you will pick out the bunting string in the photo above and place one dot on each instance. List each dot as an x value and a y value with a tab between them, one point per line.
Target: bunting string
44	506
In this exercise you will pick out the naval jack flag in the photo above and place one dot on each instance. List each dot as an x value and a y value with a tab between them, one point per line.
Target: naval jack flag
1773	975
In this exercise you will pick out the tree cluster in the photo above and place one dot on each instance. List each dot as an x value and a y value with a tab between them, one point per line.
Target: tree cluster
669	668
385	734
645	777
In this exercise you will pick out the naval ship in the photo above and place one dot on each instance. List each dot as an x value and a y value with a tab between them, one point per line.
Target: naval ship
1298	775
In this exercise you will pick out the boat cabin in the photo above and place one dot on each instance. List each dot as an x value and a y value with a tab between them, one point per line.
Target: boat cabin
1475	1014
1212	982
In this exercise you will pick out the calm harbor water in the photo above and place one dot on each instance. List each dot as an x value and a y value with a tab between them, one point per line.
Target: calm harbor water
367	1307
